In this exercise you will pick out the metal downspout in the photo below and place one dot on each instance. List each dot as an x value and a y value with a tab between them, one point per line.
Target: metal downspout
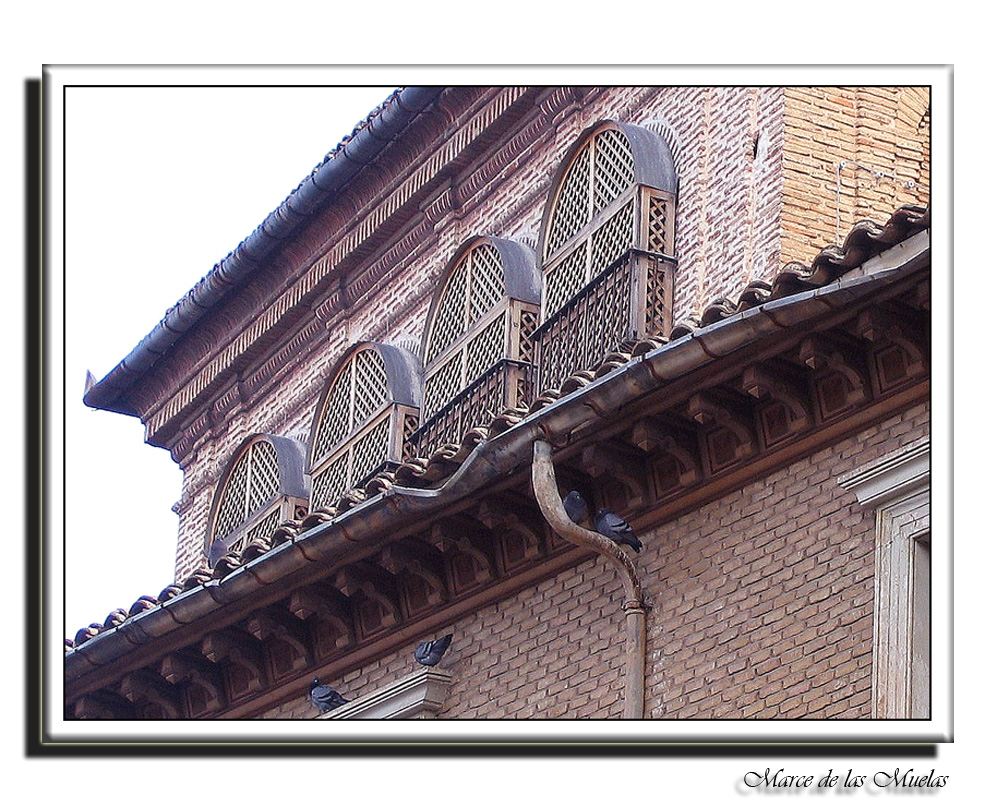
549	499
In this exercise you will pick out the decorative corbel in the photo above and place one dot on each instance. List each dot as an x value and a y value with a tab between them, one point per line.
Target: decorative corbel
178	668
278	625
619	473
761	383
876	324
375	585
672	451
735	441
239	650
142	687
519	538
461	535
102	705
412	557
330	607
822	353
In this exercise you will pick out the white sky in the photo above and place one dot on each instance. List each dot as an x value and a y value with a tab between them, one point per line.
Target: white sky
161	183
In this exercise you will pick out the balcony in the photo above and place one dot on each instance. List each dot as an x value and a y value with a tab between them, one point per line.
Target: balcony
505	384
631	298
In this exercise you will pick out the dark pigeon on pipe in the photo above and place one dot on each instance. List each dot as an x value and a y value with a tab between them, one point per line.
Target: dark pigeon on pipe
324	698
429	653
616	529
576	507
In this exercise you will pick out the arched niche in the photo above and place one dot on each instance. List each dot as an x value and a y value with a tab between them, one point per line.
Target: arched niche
606	248
367	409
263	484
476	345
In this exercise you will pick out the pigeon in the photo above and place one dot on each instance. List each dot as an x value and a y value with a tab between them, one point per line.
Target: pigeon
429	653
616	529
576	507
216	552
324	698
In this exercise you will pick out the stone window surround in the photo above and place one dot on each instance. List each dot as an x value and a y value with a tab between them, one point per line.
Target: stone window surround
897	487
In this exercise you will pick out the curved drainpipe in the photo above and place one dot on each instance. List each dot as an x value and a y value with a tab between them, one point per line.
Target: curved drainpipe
549	499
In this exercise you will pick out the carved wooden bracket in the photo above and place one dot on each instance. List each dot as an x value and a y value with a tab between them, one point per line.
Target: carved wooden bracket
240	651
761	383
412	557
520	537
101	705
673	453
377	587
875	324
736	439
280	626
143	687
331	623
614	467
823	353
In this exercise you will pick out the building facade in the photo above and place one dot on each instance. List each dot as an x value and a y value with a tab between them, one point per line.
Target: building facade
486	297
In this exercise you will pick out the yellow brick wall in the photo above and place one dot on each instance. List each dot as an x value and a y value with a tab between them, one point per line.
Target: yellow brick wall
881	129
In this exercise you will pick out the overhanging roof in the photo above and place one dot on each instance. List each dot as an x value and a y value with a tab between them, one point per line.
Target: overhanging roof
798	298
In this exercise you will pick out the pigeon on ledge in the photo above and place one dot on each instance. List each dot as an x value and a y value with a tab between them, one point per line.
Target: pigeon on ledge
324	698
616	529
576	507
429	653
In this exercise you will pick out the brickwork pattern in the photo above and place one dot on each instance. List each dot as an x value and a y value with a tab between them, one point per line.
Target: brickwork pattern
551	651
884	129
762	604
763	599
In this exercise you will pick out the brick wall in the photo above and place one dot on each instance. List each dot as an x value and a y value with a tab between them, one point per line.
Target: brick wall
746	205
883	129
727	233
762	605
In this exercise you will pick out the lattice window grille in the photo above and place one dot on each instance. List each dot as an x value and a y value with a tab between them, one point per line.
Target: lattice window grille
253	482
476	284
581	334
573	207
334	424
485	349
566	279
613	168
611	240
450	319
359	391
602	172
443	385
370	382
657	226
330	483
370	450
264	529
487	282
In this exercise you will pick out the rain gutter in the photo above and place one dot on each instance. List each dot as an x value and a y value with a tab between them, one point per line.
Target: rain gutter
316	190
393	510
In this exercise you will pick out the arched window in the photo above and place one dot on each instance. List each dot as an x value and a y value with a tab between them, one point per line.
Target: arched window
476	347
263	485
606	248
370	404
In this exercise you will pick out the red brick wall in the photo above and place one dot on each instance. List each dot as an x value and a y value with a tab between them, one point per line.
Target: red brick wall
885	129
761	602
